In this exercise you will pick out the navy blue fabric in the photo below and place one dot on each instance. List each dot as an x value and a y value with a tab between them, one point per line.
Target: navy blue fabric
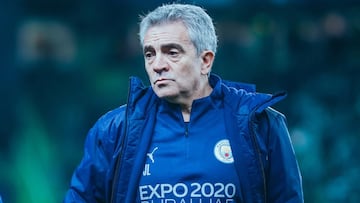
184	165
116	147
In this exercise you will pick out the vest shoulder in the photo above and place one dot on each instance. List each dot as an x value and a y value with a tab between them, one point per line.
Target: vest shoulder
245	102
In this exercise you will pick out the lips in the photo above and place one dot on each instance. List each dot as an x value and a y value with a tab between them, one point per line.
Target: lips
159	80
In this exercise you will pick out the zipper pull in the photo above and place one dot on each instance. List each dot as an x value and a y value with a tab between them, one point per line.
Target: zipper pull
186	129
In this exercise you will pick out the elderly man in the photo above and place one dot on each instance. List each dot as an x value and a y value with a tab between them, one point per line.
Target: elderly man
189	137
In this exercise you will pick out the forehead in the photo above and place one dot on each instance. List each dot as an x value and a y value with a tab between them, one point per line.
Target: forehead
172	32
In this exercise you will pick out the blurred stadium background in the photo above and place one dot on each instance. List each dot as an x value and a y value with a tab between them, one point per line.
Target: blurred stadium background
65	63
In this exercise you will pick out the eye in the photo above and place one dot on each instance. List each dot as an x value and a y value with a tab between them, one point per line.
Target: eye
173	53
148	55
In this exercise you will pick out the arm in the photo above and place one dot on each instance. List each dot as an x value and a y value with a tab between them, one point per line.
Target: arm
87	183
283	176
89	180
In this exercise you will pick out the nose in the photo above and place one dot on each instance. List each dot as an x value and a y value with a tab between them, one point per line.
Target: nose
160	64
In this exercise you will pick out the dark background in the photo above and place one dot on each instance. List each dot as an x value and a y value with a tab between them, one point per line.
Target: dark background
65	63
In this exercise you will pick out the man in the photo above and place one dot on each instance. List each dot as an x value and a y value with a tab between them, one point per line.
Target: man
190	137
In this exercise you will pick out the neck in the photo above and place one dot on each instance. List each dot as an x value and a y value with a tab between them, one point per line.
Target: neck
186	110
186	107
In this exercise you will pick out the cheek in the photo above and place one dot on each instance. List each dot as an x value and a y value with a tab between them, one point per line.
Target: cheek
147	67
148	71
191	71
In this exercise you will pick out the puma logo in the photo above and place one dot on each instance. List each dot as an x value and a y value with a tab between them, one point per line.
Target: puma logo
151	155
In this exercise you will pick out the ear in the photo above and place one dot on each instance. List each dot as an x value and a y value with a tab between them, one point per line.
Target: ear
207	59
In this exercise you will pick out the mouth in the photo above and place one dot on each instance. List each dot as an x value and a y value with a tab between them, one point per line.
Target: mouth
160	80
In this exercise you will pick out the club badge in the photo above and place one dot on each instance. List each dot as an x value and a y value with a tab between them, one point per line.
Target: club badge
222	152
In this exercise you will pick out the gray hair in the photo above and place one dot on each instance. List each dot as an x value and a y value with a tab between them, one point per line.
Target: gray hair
198	23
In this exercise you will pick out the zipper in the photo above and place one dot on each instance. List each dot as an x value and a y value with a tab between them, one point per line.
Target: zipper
258	152
122	147
186	129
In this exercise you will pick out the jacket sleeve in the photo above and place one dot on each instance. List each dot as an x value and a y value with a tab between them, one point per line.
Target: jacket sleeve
89	181
284	184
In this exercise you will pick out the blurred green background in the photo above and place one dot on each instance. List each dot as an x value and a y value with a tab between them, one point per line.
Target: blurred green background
65	63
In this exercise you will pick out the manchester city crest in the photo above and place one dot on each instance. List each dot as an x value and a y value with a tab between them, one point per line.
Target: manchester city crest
222	151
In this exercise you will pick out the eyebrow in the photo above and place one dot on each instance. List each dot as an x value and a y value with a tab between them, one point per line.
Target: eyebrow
148	48
165	47
171	46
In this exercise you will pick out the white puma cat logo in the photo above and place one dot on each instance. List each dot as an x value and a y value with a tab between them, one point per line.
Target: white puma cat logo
151	155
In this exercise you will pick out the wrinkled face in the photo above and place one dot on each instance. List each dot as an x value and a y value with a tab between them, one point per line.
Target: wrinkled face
175	70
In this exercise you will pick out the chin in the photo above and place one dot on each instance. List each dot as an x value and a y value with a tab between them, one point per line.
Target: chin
165	94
